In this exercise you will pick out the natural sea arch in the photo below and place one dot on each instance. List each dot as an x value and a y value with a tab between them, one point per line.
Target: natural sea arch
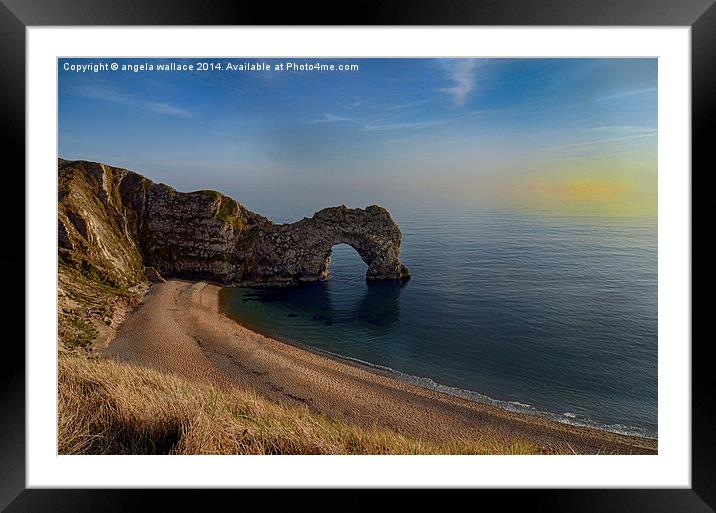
301	251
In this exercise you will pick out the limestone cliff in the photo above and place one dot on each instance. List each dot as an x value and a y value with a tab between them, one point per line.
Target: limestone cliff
114	223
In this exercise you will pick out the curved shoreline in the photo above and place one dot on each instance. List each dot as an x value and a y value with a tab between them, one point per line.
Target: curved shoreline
179	327
430	384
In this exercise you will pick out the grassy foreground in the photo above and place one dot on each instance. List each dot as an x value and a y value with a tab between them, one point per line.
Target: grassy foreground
110	407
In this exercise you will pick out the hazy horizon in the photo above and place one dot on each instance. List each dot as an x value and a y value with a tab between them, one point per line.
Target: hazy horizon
548	135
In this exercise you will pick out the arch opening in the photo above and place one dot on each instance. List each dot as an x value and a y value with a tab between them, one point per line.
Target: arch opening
344	264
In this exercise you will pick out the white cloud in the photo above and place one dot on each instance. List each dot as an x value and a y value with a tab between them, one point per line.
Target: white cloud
607	140
623	129
401	126
377	125
625	94
462	73
165	108
121	98
354	104
332	118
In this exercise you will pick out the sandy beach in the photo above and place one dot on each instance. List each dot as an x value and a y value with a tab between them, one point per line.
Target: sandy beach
179	328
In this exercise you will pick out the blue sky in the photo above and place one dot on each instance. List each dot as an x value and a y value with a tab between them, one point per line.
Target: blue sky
507	130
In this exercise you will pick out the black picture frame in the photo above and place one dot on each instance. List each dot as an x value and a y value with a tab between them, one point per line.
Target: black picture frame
700	15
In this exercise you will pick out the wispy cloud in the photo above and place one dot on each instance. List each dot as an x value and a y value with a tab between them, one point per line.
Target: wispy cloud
401	126
165	108
408	105
598	136
626	94
327	117
462	73
354	104
133	101
622	129
376	125
606	140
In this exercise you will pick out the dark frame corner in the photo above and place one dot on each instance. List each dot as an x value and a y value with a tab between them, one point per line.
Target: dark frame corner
700	15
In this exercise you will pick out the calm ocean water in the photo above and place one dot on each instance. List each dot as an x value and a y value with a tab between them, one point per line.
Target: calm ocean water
540	313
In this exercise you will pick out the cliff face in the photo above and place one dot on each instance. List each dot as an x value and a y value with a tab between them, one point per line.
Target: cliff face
114	223
93	233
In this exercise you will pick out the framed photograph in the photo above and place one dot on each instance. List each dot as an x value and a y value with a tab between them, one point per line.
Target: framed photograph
390	254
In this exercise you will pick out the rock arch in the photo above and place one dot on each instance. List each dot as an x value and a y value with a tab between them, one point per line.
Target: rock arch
301	251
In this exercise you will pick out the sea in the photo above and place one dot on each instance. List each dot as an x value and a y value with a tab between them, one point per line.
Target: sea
537	312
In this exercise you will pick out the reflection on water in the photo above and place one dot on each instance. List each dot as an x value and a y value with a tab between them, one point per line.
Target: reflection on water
378	305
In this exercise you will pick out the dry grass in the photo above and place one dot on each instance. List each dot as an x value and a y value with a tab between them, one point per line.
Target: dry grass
109	407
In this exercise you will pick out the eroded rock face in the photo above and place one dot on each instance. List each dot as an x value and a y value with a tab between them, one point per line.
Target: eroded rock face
114	219
301	251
